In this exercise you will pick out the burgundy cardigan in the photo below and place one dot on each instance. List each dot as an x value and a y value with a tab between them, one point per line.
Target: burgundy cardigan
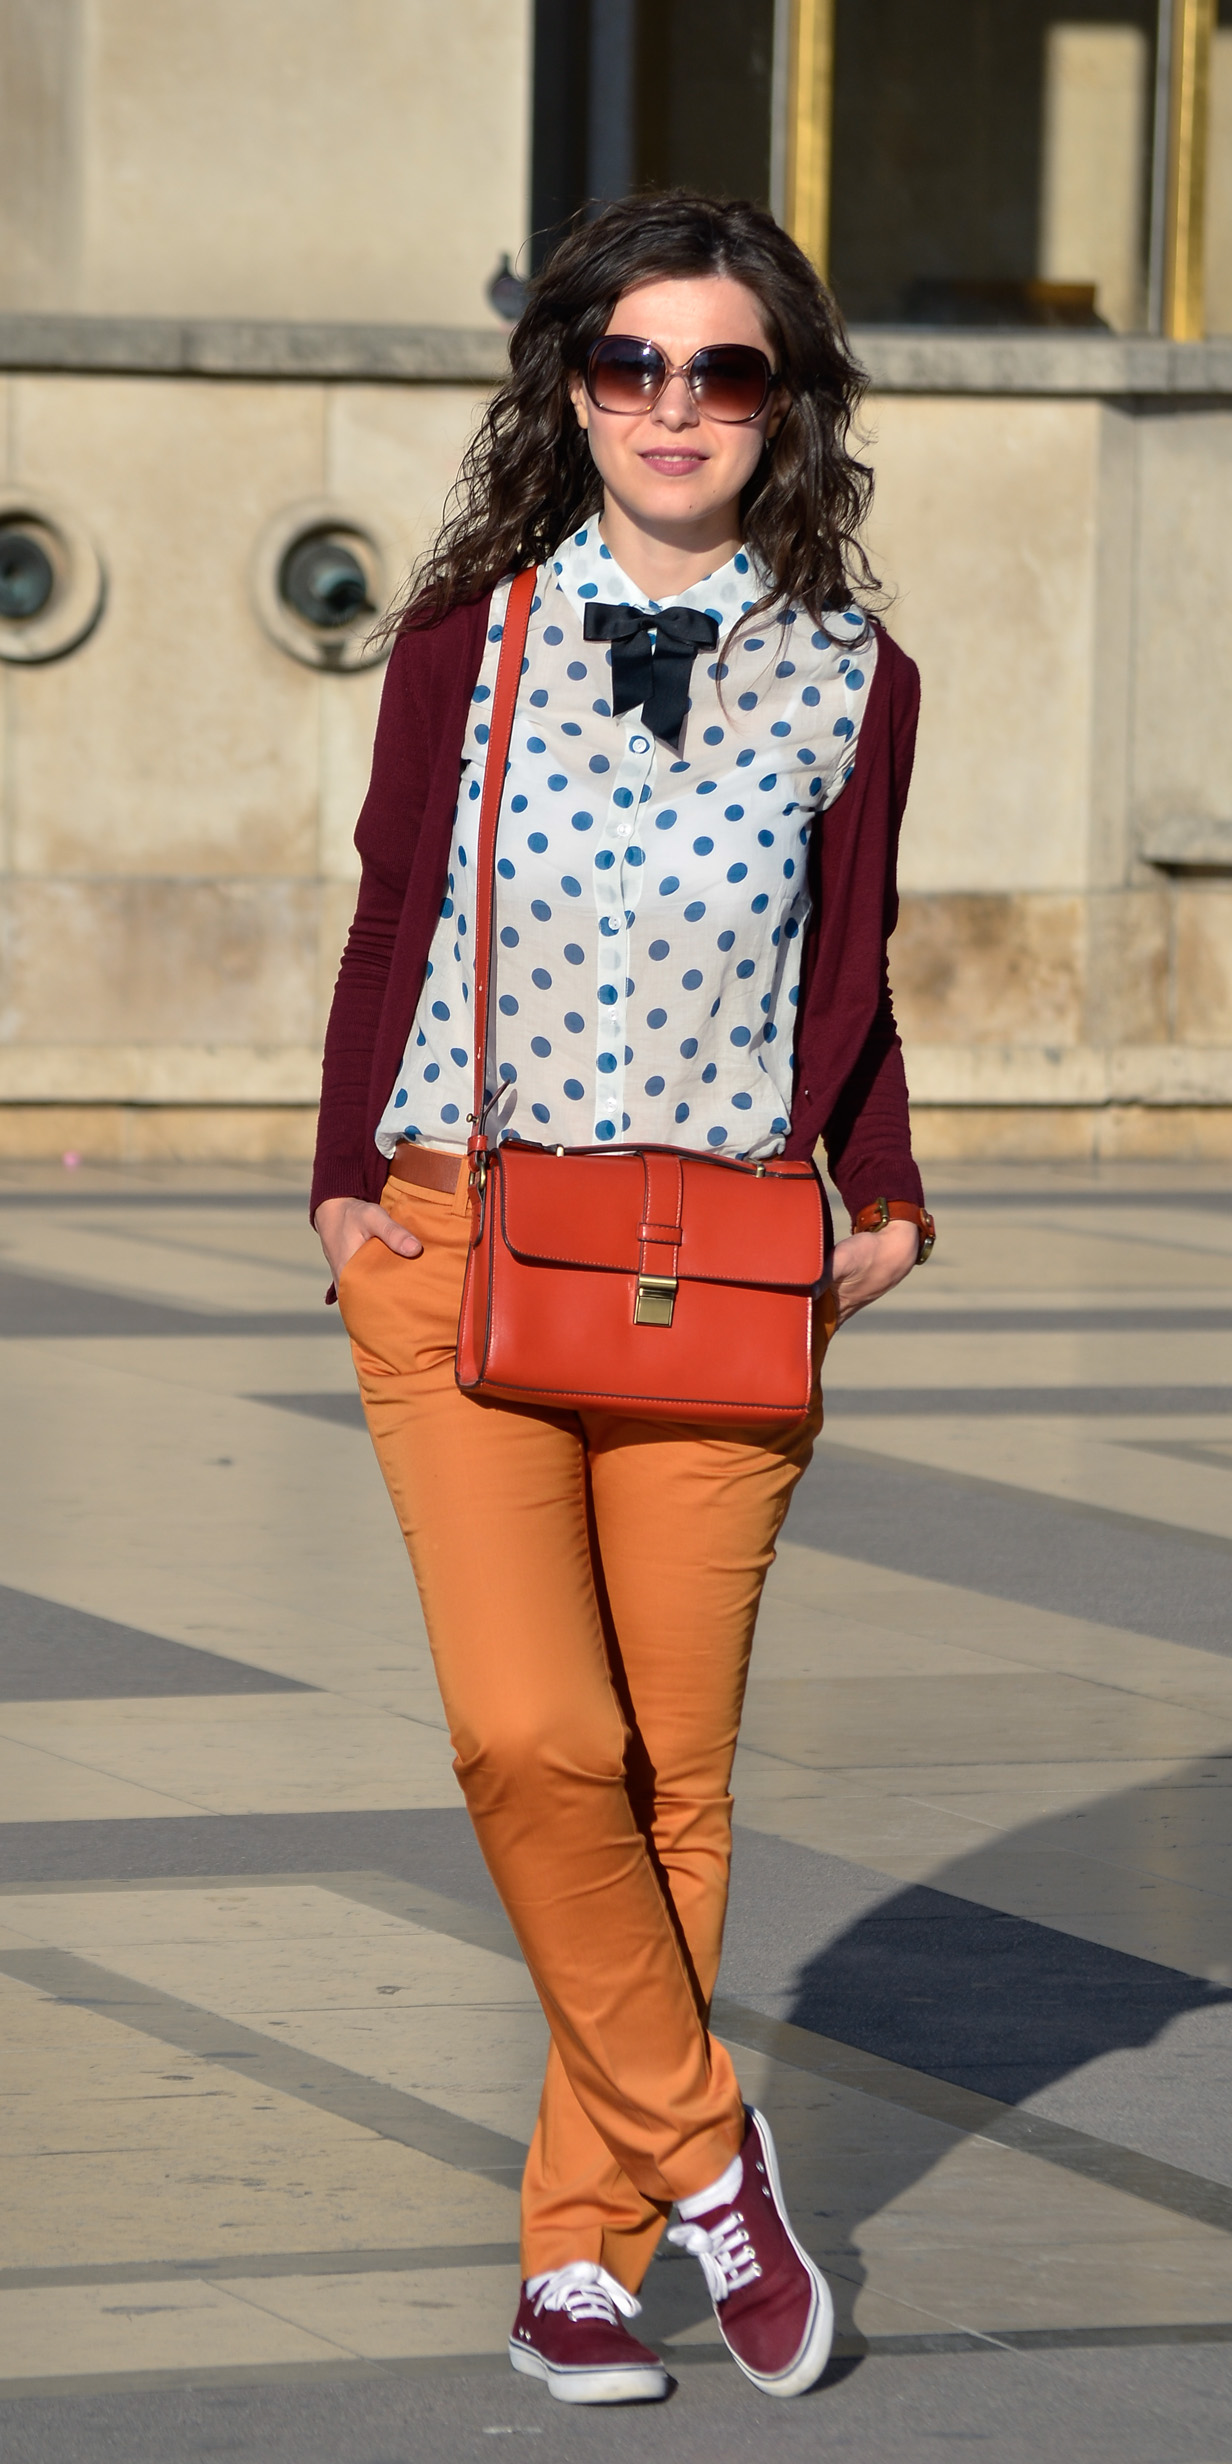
850	1089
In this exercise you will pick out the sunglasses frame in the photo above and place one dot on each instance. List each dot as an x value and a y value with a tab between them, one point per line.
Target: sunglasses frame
685	370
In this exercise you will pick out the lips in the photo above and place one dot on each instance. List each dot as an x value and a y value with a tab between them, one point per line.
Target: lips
674	465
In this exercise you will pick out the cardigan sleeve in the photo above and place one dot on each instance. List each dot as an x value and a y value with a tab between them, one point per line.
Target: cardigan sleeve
851	1089
385	837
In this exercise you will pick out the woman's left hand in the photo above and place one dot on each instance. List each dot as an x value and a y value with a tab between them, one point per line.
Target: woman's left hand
870	1263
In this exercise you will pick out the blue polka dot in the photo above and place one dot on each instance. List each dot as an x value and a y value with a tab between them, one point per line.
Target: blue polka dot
740	561
541	979
509	938
574	955
449	1112
855	679
740	1035
760	903
574	1089
767	786
656	1018
765	838
432	1072
553	634
599	761
609	995
540	1112
569	727
737	872
605	1129
574	1021
733	812
571	888
703	846
666	887
707	787
537	843
664	821
518	804
507	1005
588	590
810	696
446	906
623	797
844	728
539	907
659	949
535	744
710	1073
655	1086
682	1112
495	632
481	735
695	911
603	709
743	1102
712	735
505	868
635	856
746	967
474	788
540	1047
743	759
482	693
692	979
508	1072
747	701
457	1055
604	860
399	1099
781	727
557	781
606	1061
576	669
440	1009
727	941
583	821
689	1048
806	757
789	868
539	700
786	667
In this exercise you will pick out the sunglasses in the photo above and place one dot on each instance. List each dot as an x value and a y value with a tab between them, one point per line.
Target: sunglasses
729	381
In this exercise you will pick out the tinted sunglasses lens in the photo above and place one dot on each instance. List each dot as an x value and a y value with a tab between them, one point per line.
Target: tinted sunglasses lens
730	381
624	376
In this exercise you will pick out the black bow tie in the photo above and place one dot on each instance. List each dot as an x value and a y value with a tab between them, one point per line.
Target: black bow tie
656	677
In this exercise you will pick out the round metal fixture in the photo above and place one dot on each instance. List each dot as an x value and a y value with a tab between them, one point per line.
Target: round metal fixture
320	577
27	574
51	580
323	580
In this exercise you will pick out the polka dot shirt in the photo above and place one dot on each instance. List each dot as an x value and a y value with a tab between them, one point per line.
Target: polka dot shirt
651	906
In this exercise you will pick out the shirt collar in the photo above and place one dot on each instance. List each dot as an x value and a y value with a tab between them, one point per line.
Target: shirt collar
585	569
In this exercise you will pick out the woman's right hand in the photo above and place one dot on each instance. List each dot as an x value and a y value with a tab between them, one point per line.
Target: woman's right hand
342	1225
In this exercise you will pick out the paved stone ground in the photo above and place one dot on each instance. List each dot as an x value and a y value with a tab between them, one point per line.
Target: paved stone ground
270	2059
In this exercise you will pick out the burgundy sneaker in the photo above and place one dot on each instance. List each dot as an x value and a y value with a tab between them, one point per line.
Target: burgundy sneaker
568	2331
773	2306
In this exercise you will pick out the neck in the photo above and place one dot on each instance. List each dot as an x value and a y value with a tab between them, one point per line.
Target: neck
663	562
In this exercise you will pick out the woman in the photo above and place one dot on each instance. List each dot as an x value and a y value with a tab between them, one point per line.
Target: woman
689	954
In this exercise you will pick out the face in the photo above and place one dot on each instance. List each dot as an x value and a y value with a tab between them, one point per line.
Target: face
671	467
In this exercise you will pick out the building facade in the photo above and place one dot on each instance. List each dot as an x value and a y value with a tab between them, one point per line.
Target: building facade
245	255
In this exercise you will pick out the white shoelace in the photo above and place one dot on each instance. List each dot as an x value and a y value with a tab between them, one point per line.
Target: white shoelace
583	2290
728	2258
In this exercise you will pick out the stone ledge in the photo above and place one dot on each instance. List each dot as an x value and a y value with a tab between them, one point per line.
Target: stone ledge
904	359
254	348
1052	1075
160	1074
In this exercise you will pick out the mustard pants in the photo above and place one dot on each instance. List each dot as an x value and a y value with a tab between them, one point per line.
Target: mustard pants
590	1585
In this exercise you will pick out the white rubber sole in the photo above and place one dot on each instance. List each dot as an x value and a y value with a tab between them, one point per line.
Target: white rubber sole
636	2385
814	2352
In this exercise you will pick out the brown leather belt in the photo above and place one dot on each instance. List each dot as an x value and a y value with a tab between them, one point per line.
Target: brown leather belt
426	1166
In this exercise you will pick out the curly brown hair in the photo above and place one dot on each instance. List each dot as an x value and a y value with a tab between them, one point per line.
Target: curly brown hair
528	479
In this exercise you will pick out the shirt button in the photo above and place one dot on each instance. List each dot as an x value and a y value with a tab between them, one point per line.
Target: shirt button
639	744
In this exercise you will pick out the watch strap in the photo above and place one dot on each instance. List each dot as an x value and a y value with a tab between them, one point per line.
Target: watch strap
881	1211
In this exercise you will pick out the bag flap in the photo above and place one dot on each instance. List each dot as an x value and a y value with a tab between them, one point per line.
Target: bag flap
586	1209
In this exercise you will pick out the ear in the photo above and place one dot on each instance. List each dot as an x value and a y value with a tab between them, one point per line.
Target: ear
577	396
780	404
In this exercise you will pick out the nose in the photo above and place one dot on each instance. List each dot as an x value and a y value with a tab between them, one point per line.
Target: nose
676	407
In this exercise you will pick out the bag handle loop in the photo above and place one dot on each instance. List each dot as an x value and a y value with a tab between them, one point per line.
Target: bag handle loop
504	703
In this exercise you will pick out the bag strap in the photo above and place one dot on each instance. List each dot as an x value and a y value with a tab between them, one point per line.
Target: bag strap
504	703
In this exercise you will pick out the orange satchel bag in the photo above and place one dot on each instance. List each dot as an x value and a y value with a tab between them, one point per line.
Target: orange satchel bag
642	1280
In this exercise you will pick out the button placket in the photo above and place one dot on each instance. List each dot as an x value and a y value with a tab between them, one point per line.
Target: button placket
617	886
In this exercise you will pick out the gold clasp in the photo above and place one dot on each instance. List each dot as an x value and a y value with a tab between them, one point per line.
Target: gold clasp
656	1299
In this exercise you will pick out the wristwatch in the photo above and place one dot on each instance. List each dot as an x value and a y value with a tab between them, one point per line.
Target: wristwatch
881	1211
